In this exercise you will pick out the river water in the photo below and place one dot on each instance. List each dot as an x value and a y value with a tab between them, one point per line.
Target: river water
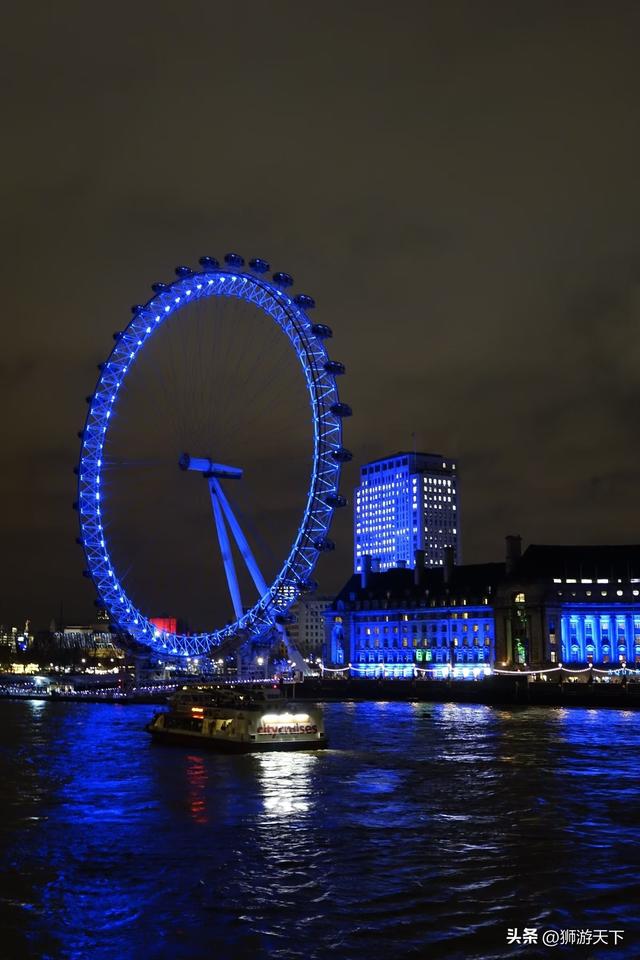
425	831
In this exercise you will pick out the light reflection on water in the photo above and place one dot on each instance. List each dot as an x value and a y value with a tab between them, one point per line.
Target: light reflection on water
285	781
197	781
37	706
425	831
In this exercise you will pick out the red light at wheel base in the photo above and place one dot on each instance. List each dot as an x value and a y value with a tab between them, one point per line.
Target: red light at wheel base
165	624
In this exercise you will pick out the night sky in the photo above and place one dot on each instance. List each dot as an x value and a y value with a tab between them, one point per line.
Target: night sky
456	183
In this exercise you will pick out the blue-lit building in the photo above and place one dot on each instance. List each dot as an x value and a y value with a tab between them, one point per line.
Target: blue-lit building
550	605
395	622
568	604
406	502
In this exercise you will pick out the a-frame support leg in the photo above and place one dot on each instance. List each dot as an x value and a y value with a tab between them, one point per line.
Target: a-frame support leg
241	540
225	548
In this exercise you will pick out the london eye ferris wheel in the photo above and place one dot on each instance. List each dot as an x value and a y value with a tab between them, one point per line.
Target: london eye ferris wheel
217	409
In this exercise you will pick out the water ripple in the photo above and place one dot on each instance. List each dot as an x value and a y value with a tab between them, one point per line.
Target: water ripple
426	831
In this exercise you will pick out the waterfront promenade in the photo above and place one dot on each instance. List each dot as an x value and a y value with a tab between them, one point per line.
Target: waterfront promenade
492	691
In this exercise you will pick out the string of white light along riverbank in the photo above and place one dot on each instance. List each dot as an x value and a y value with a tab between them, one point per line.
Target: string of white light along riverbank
389	669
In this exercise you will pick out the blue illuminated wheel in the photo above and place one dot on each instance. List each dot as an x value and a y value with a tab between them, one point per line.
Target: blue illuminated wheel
230	282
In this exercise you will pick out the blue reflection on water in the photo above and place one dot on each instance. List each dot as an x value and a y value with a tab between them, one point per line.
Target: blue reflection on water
426	830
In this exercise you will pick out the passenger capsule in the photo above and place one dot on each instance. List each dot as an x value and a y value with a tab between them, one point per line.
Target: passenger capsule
321	331
341	455
302	300
335	500
234	260
309	586
209	263
117	335
341	410
259	266
335	367
80	434
324	544
160	287
137	307
282	279
184	272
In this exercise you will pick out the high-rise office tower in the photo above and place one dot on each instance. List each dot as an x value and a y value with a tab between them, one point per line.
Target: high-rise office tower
307	632
404	503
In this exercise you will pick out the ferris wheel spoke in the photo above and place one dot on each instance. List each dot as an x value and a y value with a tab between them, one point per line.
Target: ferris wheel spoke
110	463
246	373
278	402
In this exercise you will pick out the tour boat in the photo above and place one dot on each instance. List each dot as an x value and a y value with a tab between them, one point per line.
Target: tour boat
238	719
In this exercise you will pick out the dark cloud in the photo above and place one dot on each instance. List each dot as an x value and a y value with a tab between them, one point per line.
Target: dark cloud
455	182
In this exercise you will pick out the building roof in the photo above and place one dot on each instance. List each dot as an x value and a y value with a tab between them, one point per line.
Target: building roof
539	562
397	587
407	453
415	454
544	562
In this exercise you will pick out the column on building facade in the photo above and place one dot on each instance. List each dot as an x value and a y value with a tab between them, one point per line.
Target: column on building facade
565	644
338	654
446	639
591	619
619	624
454	639
630	634
582	639
602	620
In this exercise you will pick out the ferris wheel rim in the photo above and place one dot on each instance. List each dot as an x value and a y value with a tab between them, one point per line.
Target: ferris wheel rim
307	340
